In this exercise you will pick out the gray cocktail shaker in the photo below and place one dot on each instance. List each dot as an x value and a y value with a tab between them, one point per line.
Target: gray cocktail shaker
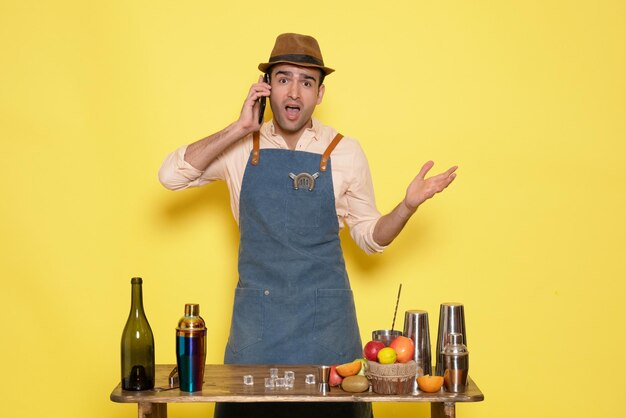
416	328
455	363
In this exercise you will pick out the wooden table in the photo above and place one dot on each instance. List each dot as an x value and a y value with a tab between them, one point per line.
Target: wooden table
224	383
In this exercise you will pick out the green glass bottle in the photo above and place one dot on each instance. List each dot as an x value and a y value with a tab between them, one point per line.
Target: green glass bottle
137	345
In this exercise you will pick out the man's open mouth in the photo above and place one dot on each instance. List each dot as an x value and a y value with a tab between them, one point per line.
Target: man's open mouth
292	111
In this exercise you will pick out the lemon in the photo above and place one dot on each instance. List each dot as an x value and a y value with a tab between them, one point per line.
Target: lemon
387	356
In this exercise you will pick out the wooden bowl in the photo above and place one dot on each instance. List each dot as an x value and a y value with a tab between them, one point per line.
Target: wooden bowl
391	379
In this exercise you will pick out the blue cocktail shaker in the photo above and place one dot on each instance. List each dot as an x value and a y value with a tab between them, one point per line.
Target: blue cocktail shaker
191	349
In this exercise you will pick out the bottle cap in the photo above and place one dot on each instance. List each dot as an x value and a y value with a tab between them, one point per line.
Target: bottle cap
136	280
192	322
455	345
192	309
455	338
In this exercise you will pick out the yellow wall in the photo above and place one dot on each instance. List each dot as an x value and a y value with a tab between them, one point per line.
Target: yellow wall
527	97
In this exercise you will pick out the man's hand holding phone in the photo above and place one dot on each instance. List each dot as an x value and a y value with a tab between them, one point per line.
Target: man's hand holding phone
263	99
203	152
251	117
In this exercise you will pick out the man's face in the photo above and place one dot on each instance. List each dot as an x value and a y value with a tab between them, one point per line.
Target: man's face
295	93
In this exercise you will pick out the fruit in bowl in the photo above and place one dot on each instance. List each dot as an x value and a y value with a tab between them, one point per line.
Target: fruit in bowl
393	370
404	348
371	349
387	356
430	384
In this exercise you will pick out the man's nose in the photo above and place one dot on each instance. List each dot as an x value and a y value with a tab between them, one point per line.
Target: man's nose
294	91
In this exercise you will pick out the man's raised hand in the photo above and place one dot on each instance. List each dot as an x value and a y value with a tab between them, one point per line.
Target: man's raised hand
422	188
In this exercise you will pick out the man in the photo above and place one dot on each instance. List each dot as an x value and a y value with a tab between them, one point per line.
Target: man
293	183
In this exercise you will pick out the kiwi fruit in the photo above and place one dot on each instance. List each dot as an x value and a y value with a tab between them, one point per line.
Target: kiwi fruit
355	384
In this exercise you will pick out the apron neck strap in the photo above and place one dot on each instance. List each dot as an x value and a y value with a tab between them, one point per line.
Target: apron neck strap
256	145
256	141
326	155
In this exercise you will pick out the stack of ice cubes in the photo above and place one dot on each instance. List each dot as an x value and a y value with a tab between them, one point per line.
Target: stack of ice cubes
275	382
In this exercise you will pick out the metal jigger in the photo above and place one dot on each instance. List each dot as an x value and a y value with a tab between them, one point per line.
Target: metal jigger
323	376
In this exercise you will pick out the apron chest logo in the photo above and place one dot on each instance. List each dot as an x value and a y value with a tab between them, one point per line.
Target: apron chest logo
304	180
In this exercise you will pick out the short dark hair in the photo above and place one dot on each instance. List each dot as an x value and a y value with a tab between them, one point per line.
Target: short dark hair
322	76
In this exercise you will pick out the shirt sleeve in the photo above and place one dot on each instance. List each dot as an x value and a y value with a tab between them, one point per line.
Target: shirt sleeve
362	213
177	174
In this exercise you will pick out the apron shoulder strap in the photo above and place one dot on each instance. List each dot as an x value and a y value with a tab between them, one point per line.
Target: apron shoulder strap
326	155
256	141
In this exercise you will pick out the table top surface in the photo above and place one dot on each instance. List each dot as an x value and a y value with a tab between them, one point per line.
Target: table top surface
224	383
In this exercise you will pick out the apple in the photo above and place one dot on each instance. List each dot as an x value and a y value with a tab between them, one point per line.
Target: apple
334	379
371	349
405	348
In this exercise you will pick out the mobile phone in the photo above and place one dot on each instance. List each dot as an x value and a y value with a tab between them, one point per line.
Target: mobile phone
263	99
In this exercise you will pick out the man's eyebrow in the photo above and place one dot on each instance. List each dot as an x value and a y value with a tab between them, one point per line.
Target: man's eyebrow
283	72
290	74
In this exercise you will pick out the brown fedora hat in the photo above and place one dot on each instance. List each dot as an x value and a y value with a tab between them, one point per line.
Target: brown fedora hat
292	48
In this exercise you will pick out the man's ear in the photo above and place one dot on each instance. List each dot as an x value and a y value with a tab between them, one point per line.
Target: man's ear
320	93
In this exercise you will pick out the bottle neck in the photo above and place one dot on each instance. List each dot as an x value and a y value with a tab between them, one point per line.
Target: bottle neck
136	306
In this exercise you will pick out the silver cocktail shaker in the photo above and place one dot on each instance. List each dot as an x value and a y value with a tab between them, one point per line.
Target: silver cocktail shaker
456	364
416	328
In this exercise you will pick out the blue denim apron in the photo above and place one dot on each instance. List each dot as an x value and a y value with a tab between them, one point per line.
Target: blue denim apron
293	303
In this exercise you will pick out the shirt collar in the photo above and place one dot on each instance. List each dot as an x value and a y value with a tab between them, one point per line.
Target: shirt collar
314	132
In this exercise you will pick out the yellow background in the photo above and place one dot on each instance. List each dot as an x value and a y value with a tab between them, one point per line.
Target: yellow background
528	98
